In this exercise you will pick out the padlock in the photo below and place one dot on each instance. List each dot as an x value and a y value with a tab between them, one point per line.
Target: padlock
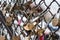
8	7
47	17
24	19
54	36
22	37
32	5
2	37
17	7
19	22
4	4
30	26
9	21
39	9
55	22
40	34
7	14
15	22
15	38
27	38
47	31
19	19
41	37
27	5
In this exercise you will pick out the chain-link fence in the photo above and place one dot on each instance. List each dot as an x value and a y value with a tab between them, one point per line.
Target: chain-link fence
51	8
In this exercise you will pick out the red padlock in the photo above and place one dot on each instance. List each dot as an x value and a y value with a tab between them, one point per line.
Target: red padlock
41	37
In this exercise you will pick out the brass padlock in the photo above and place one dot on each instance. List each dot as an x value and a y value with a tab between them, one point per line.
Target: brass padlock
8	21
30	26
15	38
40	32
56	22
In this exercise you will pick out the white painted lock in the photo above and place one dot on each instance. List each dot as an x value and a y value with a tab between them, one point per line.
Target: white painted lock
21	24
47	31
5	31
34	23
8	37
18	30
16	34
13	27
19	17
7	14
15	22
22	38
24	19
32	5
34	19
27	38
58	32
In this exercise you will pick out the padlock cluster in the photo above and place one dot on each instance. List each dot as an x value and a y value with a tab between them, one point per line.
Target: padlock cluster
27	20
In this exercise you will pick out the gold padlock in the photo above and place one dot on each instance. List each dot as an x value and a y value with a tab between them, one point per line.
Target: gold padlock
29	26
40	32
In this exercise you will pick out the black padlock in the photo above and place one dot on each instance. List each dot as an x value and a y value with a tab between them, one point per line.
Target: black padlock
55	37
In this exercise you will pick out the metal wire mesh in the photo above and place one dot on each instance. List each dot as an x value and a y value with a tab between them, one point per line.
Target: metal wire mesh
52	8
